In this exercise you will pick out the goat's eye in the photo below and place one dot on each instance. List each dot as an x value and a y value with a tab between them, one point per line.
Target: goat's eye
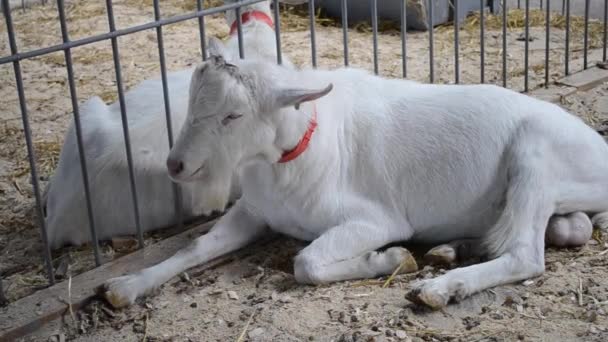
232	116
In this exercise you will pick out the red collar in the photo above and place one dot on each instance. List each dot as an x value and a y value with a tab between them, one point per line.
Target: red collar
303	143
248	16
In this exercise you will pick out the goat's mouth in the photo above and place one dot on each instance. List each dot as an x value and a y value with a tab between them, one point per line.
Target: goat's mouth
199	173
196	174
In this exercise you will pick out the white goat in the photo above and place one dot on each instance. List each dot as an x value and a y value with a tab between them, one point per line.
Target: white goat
66	214
390	161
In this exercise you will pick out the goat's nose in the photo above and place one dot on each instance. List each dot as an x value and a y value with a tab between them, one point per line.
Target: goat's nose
175	166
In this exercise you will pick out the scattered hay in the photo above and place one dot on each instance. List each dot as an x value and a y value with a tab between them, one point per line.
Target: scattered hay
516	19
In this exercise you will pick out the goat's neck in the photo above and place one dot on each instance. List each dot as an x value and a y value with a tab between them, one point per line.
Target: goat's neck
291	127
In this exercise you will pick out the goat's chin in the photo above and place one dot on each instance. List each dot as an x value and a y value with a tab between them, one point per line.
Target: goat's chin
215	197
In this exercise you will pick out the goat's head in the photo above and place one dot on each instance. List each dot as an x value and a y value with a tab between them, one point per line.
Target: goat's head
233	115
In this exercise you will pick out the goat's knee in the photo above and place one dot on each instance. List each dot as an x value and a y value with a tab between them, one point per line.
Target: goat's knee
307	269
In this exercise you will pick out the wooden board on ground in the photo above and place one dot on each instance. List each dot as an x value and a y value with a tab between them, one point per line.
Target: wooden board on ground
586	79
553	93
28	314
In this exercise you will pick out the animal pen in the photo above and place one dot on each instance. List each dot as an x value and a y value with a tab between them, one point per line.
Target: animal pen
524	46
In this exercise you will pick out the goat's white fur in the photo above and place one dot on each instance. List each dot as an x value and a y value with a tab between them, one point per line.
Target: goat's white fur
66	212
390	161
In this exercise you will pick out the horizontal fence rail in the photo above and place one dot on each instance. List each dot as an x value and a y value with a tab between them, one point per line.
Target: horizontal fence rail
16	57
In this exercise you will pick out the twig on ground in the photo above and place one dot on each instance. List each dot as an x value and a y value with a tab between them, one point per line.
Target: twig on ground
242	335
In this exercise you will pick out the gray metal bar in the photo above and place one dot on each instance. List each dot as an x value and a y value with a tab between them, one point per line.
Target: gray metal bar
567	52
345	30
201	30
404	37
125	123
78	129
431	55
586	37
28	142
456	44
374	5
605	58
541	4
482	44
504	43
527	46
3	299
313	42
547	41
239	32
518	4
122	32
277	31
177	191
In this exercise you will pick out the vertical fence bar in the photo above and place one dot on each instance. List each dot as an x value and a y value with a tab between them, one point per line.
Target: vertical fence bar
374	5
456	43
548	41
605	58
345	30
78	129
239	31
404	37
504	42
28	142
482	44
518	4
201	30
277	31
567	52
431	56
586	38
125	123
177	191
541	4
313	42
3	299
527	46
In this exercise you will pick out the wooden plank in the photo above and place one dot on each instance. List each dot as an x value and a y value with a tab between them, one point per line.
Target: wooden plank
553	93
28	314
586	79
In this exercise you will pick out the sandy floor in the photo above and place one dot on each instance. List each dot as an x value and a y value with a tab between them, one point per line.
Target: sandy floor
543	310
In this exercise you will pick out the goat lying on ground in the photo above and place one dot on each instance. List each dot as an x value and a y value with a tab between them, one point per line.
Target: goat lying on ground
354	168
66	214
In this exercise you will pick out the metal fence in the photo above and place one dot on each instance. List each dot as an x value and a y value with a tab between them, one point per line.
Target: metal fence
199	14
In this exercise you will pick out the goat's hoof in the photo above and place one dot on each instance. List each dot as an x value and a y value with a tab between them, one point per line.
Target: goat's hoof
424	293
120	292
442	255
601	221
401	258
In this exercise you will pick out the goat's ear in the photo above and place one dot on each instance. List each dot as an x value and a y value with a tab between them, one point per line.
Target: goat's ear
296	96
216	47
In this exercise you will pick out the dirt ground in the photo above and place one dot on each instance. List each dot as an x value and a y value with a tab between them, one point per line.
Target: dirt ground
569	302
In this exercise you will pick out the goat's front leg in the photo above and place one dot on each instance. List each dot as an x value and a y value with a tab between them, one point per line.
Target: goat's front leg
347	252
236	229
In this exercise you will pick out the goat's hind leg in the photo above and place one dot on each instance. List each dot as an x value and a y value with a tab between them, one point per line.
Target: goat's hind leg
516	240
570	230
